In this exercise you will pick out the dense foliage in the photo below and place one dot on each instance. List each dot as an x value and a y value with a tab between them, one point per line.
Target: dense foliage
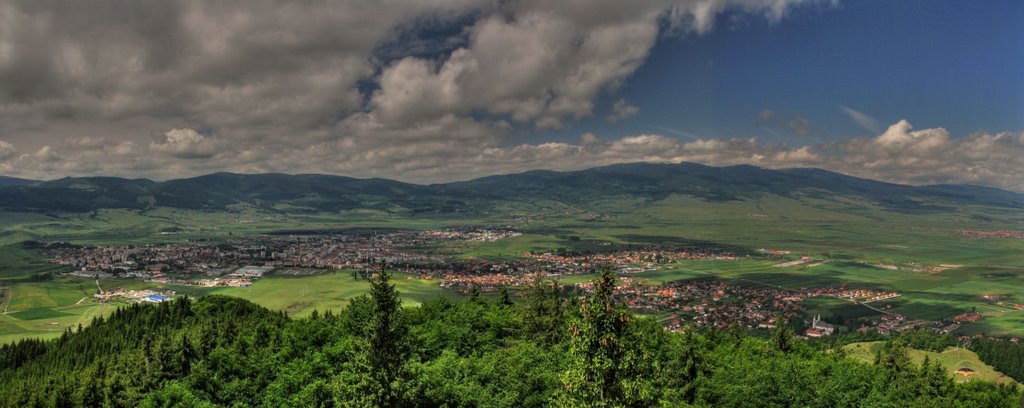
545	351
1005	356
920	339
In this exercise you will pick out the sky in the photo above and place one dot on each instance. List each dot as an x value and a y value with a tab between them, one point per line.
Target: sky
916	92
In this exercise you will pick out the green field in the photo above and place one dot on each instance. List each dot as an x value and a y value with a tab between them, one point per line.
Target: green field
17	263
952	359
855	236
49	322
299	296
45	309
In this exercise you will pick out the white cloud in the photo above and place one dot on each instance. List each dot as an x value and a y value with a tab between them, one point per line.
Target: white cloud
7	150
45	155
542	62
186	144
454	148
264	76
302	87
621	110
865	121
932	156
535	66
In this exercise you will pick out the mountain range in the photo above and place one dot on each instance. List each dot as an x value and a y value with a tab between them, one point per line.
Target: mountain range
647	182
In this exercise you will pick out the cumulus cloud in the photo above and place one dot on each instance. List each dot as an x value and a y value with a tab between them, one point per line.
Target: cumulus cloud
7	150
535	65
899	154
543	62
932	156
259	70
621	110
186	144
169	89
248	65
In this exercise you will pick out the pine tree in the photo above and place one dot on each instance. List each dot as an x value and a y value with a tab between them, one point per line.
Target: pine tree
474	295
782	338
386	344
893	358
504	299
599	350
545	311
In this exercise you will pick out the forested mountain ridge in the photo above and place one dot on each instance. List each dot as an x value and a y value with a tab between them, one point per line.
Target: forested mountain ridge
645	181
13	181
546	351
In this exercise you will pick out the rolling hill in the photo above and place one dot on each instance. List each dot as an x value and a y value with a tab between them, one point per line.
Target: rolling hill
12	181
583	189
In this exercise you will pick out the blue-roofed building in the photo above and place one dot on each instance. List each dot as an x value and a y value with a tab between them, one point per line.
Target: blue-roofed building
156	298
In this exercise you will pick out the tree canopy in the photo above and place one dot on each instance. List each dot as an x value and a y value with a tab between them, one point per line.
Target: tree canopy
541	351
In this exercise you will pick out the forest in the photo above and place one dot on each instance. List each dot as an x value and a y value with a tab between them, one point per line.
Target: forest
543	349
1005	356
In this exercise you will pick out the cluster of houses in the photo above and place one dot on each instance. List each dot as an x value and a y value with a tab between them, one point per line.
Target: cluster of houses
471	234
491	282
238	282
642	257
989	234
251	257
969	317
897	323
701	303
464	275
138	296
714	303
867	295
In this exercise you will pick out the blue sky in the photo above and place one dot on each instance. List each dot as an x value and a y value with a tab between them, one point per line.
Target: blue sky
904	91
935	63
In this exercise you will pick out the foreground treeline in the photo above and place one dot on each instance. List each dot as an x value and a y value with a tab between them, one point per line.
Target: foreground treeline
544	351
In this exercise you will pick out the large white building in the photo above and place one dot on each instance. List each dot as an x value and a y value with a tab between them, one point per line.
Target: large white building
252	271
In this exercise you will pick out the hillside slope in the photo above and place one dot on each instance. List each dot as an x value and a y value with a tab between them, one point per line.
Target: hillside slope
12	181
222	351
642	182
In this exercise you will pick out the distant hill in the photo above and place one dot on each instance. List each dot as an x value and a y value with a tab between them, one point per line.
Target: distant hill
11	181
646	182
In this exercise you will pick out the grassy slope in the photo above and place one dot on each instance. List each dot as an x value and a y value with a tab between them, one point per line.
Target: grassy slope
952	359
45	309
299	296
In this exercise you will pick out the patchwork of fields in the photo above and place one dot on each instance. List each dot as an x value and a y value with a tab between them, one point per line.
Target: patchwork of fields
864	247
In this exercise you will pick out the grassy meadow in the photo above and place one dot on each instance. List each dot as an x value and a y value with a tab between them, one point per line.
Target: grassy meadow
299	296
952	359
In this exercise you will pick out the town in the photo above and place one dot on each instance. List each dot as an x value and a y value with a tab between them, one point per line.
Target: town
244	259
705	302
714	303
